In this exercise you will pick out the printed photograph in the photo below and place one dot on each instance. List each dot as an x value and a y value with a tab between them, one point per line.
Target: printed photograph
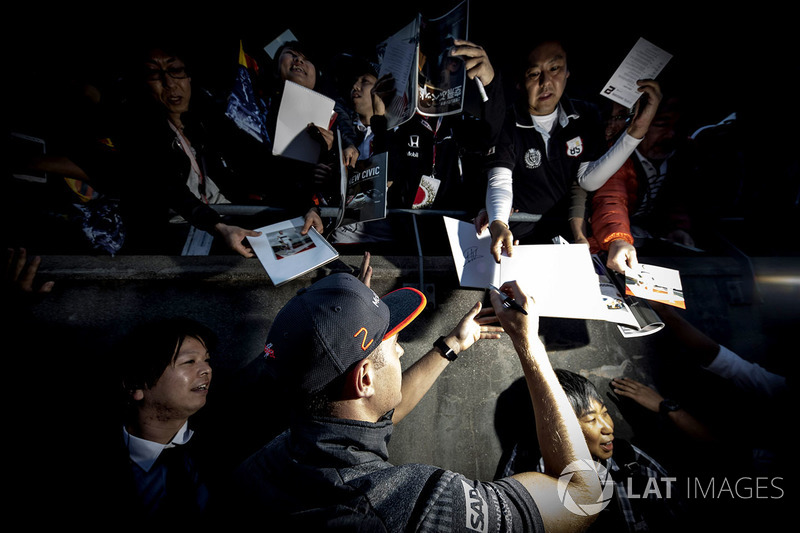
288	242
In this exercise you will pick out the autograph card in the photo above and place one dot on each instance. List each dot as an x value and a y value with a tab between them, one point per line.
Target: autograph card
644	61
656	283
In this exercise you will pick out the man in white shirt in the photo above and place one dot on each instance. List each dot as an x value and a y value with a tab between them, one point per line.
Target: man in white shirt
166	374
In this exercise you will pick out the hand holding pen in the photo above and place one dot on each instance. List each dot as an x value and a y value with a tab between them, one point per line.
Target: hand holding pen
477	64
508	301
518	319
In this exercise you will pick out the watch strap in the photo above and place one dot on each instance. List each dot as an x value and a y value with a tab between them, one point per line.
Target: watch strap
667	406
447	352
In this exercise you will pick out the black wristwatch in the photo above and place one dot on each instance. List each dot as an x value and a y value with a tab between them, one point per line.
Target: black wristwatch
447	352
667	406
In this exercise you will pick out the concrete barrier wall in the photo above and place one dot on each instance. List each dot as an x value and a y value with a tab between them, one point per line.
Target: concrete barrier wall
456	425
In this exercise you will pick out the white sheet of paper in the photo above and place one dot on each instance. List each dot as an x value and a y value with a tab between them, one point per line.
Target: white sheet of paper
560	277
644	61
398	57
273	46
475	266
300	107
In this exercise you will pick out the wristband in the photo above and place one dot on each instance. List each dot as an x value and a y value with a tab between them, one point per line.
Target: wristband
447	352
667	406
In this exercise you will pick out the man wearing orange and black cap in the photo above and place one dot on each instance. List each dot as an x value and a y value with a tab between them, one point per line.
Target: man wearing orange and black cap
333	349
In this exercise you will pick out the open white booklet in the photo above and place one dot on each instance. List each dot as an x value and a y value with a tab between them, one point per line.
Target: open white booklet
428	80
621	306
286	254
561	278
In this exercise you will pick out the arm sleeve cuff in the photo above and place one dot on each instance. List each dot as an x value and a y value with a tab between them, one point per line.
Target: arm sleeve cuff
592	175
499	195
746	375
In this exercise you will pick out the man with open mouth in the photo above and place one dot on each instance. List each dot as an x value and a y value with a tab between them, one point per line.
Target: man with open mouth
166	374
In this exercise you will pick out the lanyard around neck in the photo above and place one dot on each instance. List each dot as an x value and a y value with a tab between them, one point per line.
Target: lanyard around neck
187	148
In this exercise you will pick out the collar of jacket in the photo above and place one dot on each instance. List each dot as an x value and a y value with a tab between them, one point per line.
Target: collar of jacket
341	442
566	112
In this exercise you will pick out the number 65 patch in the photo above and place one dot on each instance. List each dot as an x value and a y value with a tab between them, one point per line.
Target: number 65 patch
575	147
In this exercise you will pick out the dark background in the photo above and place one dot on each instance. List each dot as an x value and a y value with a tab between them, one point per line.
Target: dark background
723	58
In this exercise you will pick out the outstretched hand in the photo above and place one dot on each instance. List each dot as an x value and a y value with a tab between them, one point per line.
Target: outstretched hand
477	324
234	237
642	394
312	219
365	272
20	273
502	239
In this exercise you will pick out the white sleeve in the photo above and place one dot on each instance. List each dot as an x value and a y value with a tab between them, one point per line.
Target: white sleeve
746	375
593	174
499	194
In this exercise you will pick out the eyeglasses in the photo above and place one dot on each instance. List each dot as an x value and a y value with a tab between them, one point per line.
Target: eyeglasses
176	73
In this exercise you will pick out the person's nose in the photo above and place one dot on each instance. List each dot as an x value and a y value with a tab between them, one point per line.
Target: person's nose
544	79
205	369
168	81
607	427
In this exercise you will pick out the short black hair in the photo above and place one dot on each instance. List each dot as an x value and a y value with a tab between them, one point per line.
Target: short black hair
308	51
580	391
149	348
321	403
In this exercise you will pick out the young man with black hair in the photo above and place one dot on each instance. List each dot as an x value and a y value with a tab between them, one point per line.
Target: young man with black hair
165	377
655	504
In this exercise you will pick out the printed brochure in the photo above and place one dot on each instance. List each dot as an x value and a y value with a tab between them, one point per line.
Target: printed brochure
286	254
428	80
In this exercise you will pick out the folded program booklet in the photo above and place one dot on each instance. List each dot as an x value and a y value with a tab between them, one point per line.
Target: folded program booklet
287	254
633	315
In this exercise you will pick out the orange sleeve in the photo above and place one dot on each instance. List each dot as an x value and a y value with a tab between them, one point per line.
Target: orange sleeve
610	219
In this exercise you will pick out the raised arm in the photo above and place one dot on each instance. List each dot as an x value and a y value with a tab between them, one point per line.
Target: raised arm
560	437
592	175
421	376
